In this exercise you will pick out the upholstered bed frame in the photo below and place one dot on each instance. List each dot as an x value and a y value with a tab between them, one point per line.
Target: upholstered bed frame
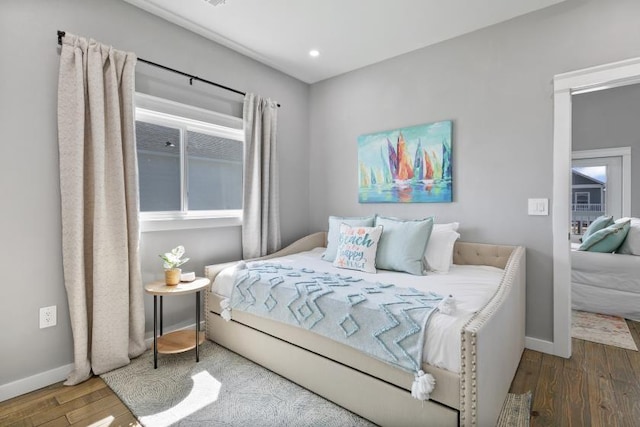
492	342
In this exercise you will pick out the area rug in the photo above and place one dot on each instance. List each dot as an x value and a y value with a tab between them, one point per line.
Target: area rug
516	411
223	389
601	328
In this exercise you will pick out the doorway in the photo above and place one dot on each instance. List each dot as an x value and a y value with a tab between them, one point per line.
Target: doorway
600	185
607	76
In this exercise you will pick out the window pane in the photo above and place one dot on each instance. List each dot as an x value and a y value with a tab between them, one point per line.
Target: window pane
158	167
215	172
582	198
589	186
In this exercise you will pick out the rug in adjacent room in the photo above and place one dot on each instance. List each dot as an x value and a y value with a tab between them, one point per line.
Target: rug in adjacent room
602	328
222	389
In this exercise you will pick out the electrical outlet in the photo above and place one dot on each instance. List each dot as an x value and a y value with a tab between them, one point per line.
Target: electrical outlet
48	316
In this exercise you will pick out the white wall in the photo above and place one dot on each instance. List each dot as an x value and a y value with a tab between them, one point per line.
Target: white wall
29	179
496	86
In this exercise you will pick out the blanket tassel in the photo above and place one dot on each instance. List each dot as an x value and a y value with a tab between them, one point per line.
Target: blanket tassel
422	386
447	305
225	305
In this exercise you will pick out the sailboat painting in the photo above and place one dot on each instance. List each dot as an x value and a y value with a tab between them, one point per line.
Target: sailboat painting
407	165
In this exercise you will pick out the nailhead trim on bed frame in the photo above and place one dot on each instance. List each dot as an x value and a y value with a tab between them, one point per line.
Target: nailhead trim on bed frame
478	321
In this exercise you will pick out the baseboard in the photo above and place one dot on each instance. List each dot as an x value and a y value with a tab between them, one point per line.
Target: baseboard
34	382
43	379
538	345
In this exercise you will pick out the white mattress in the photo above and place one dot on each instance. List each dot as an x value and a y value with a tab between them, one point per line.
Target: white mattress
471	286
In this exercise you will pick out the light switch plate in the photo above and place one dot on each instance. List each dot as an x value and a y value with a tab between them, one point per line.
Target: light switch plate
538	207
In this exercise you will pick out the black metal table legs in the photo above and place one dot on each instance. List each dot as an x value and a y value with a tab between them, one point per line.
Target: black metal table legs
197	326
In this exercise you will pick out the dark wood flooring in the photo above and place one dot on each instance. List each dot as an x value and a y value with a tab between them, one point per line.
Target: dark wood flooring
598	386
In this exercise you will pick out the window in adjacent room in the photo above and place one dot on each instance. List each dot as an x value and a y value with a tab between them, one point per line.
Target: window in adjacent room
189	165
597	184
582	198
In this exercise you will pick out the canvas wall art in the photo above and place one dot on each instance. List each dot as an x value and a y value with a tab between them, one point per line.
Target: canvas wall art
407	165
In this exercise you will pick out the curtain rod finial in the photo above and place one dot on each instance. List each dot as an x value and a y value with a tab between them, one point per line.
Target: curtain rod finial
61	34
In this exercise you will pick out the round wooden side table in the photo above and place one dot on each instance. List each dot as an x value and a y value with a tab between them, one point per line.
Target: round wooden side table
177	341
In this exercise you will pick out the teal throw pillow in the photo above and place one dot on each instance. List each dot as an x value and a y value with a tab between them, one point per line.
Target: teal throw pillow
402	244
608	239
334	232
597	225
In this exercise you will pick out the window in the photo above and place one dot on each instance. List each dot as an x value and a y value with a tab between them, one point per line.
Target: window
582	197
601	182
189	165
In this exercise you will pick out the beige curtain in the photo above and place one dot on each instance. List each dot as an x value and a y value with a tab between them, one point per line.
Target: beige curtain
260	203
99	202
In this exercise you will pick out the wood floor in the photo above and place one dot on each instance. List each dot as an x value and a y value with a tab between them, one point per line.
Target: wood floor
598	386
91	403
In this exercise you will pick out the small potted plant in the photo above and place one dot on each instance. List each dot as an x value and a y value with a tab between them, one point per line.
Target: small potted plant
172	260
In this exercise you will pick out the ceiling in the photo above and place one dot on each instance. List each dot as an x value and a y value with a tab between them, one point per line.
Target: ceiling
349	34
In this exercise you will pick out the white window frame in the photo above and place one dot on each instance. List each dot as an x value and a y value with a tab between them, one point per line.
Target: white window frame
184	117
605	154
582	193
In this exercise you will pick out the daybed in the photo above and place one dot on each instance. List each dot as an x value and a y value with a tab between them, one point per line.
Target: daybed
490	344
606	283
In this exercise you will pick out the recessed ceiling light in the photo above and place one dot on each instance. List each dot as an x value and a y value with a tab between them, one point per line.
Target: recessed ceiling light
215	2
314	53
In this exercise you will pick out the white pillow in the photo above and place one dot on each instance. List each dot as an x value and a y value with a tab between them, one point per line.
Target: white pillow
334	232
631	244
439	253
450	226
357	247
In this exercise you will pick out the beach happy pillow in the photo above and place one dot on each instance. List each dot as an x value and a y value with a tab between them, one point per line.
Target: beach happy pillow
357	247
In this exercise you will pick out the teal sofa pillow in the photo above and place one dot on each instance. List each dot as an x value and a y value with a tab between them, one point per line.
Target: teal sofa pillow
333	235
402	244
597	225
608	239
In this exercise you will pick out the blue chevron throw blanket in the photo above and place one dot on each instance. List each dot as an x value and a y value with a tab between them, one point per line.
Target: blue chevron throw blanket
381	320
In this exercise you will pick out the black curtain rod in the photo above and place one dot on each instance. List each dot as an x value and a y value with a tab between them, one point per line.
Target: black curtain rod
191	77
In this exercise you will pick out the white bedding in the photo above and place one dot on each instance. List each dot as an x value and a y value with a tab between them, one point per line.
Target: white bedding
471	286
606	283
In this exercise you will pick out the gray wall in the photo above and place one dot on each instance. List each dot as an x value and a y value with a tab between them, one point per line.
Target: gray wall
29	179
496	86
610	119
